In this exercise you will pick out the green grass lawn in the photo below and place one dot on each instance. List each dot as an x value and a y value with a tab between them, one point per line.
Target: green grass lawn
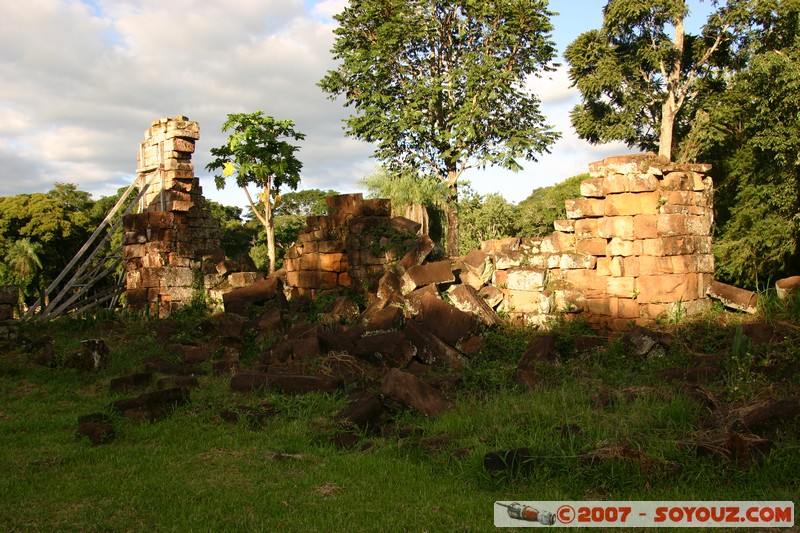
194	472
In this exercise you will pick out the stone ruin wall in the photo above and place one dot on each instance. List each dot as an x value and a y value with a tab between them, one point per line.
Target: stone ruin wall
172	247
635	247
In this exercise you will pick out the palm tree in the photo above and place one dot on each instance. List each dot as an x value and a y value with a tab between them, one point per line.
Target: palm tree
22	258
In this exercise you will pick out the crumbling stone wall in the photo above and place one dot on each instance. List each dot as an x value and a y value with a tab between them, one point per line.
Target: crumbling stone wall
9	299
350	247
635	247
172	247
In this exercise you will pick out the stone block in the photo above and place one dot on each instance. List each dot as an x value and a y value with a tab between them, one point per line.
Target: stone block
687	198
417	254
611	266
240	300
574	261
344	204
586	228
586	280
508	260
593	188
643	203
664	288
540	303
558	242
333	262
786	286
585	208
404	225
734	297
365	412
595	246
414	299
623	287
299	384
628	308
526	279
567	226
623	248
568	301
377	207
312	279
621	227
540	348
492	295
136	380
680	245
412	392
603	306
244	279
430	349
629	183
498	246
480	264
391	349
427	274
445	321
682	181
390	318
468	300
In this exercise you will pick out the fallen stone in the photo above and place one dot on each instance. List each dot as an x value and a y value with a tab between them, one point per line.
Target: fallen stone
786	287
468	300
414	299
340	341
480	264
642	342
471	346
94	355
191	355
445	321
387	285
162	366
97	432
733	297
514	462
404	225
184	382
541	348
241	300
248	381
271	321
342	310
428	274
384	320
136	380
529	379
366	411
306	350
430	349
417	254
152	405
295	384
392	349
763	333
410	391
492	295
761	415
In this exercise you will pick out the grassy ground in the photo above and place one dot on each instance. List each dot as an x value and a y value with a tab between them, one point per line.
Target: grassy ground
193	471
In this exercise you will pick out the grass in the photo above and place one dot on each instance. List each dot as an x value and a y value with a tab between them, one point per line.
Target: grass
193	471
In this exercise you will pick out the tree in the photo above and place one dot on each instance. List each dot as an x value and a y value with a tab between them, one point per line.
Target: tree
23	260
751	134
635	80
257	154
439	86
486	217
545	205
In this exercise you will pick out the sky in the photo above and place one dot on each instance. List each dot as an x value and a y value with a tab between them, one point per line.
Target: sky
81	80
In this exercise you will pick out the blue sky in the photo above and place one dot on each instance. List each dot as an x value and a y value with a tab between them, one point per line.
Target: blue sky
80	81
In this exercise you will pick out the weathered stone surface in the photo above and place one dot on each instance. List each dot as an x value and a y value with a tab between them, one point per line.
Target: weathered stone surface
97	432
541	348
365	411
152	405
414	299
248	381
786	286
388	284
417	254
527	279
445	321
136	380
733	297
94	355
392	349
186	382
404	225
480	264
427	274
163	366
411	391
430	349
343	310
536	302
240	300
294	384
389	318
492	295
468	300
585	208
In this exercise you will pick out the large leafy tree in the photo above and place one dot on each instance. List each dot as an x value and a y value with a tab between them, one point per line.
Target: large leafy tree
751	134
440	86
639	73
258	153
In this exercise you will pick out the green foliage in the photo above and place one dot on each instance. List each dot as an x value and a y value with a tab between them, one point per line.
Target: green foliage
303	203
237	236
484	217
258	154
751	134
439	86
545	205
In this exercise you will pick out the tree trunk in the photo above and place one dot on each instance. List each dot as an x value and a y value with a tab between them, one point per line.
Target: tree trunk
451	210
269	224
669	109
668	114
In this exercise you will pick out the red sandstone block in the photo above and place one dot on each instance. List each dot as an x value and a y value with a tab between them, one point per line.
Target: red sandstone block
621	226
623	287
683	181
500	246
603	306
344	280
312	279
610	266
645	226
623	248
644	203
529	301
592	188
684	245
627	308
572	261
665	288
587	280
584	207
500	277
587	228
558	242
567	226
630	265
698	199
335	262
620	183
595	246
